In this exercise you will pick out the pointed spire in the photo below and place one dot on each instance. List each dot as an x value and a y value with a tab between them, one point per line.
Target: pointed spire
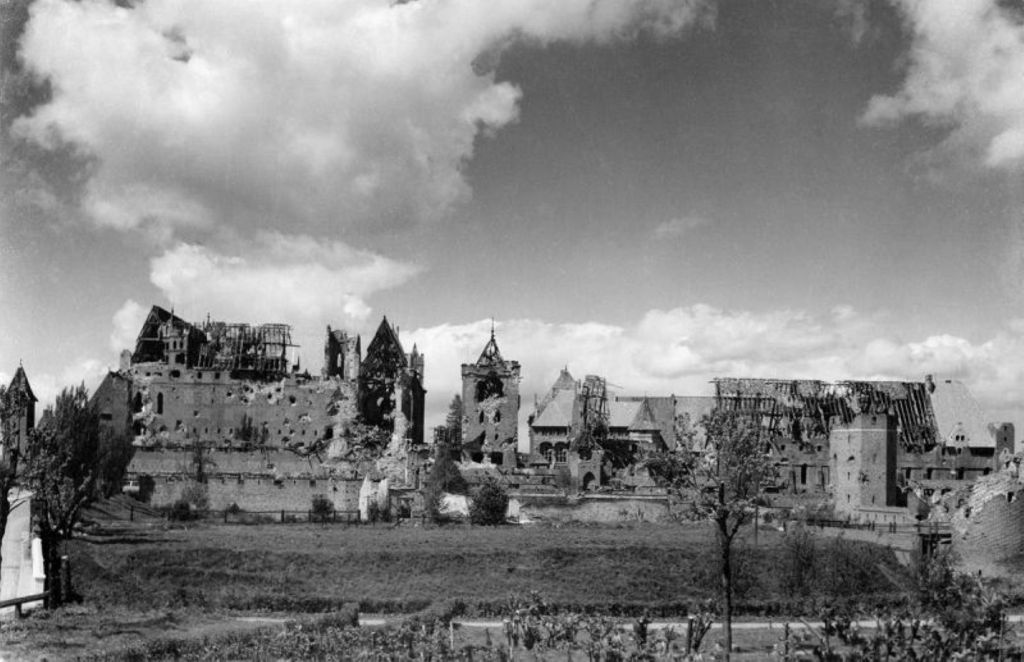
491	354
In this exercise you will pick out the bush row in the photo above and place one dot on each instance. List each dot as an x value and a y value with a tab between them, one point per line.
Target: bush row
227	645
454	608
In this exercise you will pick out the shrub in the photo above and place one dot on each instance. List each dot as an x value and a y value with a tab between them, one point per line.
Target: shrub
322	508
181	511
196	494
798	561
489	504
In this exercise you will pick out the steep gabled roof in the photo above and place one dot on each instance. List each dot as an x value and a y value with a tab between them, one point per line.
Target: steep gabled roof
385	349
148	346
556	411
622	413
565	381
958	412
19	384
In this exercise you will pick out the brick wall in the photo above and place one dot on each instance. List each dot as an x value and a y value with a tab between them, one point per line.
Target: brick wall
988	522
210	405
262	494
269	463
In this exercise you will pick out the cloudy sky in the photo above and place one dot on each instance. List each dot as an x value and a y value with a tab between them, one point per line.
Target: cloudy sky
657	191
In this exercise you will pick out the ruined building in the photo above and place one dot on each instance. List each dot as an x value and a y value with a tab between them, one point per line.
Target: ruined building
871	444
596	439
490	400
232	389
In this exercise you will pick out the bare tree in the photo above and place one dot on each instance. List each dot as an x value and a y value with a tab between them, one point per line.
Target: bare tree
721	479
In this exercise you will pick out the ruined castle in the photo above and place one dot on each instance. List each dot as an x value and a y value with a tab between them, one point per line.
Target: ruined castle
271	435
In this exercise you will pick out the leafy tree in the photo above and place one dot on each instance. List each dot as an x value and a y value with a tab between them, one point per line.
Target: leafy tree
722	482
63	466
489	504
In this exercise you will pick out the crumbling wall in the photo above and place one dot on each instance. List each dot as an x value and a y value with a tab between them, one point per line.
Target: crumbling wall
181	405
987	519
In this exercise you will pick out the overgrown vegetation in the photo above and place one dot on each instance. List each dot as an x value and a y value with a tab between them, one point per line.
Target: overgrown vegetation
948	615
489	504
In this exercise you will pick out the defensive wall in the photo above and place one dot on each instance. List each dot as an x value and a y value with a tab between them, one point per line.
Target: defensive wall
987	519
267	463
261	494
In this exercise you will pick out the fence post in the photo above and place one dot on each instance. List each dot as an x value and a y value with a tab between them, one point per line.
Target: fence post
282	516
65	578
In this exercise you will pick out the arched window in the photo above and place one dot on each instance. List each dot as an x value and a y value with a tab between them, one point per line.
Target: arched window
497	417
160	403
561	453
546	451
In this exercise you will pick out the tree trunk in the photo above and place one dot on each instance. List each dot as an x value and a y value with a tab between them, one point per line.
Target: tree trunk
726	549
51	566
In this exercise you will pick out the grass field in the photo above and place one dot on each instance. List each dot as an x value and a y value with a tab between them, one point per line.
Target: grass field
308	568
145	580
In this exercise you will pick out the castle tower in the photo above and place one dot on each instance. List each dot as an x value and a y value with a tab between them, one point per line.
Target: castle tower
864	463
490	400
14	430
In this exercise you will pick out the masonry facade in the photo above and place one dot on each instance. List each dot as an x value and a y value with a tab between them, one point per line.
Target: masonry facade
231	388
490	401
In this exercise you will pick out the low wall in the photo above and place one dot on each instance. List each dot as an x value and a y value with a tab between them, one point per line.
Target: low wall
262	494
604	508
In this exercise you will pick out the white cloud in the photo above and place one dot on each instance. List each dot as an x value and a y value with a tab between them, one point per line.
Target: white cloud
127	322
678	227
275	277
966	70
320	112
47	386
282	276
679	351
